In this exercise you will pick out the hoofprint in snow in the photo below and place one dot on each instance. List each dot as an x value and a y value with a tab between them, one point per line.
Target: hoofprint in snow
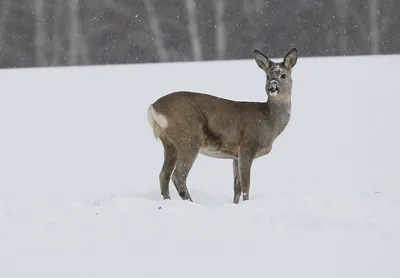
79	194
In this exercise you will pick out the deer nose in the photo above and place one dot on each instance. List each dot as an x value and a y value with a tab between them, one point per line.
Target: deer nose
273	88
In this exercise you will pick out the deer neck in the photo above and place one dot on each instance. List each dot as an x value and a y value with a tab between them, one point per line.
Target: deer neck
278	114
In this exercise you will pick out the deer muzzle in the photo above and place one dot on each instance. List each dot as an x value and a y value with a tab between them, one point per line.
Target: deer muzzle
273	87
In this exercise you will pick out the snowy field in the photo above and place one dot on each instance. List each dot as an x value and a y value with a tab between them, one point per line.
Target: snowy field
79	192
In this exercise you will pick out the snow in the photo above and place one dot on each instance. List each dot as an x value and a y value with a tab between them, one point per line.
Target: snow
79	192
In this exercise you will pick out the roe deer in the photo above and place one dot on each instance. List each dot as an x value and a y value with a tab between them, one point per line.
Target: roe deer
189	123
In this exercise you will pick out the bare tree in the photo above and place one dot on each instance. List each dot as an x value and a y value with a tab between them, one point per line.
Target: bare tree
56	41
41	38
341	7
220	32
5	8
156	30
387	15
4	51
195	41
358	18
374	25
77	48
73	33
136	35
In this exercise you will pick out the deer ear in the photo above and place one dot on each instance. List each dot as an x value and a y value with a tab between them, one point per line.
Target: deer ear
262	61
290	58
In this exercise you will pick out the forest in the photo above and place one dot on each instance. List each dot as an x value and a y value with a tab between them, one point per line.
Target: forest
43	33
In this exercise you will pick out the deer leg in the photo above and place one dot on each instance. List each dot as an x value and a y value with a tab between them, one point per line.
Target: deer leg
170	156
244	163
237	189
179	176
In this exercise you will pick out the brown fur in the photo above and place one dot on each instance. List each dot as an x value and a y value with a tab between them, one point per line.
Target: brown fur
189	123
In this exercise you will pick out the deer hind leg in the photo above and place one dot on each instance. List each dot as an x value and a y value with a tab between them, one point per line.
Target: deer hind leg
237	188
170	157
184	164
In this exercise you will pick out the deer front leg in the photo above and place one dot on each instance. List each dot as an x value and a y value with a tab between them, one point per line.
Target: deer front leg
237	188
245	162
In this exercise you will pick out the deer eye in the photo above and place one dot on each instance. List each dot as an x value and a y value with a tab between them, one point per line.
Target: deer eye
283	76
268	77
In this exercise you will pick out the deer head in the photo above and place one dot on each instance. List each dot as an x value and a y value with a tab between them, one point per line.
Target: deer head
279	81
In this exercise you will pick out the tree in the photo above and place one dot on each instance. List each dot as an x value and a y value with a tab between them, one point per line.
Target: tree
341	7
197	51
77	43
220	32
156	30
41	38
56	33
5	8
381	15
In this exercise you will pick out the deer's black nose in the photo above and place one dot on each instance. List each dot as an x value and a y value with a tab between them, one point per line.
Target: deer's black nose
273	89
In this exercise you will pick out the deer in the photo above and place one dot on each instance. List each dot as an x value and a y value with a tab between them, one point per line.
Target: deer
190	123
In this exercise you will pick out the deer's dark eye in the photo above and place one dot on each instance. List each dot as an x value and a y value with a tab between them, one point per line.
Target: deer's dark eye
267	77
283	76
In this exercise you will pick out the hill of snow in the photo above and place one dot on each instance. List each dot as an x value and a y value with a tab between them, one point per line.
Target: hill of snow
79	192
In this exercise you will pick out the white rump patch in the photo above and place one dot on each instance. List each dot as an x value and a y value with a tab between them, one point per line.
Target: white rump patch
154	116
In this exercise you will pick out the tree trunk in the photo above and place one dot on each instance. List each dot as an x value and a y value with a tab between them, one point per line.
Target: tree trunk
374	26
83	46
362	26
220	32
73	32
156	30
40	34
78	52
193	31
3	20
56	44
342	37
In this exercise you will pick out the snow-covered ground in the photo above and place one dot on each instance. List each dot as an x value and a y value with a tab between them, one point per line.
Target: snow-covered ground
79	193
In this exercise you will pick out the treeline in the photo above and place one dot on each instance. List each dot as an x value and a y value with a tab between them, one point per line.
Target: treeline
82	32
